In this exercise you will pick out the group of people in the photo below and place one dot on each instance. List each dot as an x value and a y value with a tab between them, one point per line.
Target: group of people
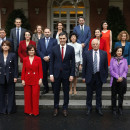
63	58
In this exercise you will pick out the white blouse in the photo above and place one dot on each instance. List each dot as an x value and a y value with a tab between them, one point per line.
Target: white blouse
78	51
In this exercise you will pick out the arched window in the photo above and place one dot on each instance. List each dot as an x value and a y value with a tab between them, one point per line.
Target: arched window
67	11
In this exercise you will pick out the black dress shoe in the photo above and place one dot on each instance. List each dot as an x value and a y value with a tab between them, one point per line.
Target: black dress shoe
55	113
99	111
65	113
120	111
88	112
114	112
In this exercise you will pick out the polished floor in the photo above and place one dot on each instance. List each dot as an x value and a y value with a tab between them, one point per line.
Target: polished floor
77	120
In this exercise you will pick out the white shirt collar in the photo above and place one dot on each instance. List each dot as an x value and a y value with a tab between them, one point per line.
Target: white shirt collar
47	38
18	28
96	51
63	46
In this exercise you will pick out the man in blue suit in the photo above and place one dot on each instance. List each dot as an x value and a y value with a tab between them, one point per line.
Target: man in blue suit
4	38
44	49
83	32
95	73
62	70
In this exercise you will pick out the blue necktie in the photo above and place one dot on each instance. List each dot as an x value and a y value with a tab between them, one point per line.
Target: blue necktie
18	37
95	63
47	42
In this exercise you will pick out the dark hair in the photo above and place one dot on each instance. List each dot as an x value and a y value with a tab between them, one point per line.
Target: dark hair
47	28
63	33
29	47
7	43
72	35
103	23
37	27
2	29
58	23
28	32
115	55
99	30
81	17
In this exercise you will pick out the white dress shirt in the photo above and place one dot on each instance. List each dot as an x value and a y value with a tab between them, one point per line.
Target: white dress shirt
64	49
82	27
1	40
98	59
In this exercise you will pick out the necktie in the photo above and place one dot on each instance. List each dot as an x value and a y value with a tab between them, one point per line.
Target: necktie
18	36
95	63
62	53
82	31
47	42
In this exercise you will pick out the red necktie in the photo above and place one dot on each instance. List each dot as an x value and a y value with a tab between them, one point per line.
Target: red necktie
62	53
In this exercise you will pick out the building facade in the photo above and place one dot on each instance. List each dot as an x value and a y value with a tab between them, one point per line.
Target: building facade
48	12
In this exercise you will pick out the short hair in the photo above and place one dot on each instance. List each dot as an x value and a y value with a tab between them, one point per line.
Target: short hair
99	30
103	23
47	28
63	33
119	37
115	55
28	32
29	47
8	43
81	17
18	19
72	35
58	23
35	31
94	40
2	29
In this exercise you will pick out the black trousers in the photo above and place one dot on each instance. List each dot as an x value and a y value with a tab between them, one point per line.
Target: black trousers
57	85
94	85
7	98
117	88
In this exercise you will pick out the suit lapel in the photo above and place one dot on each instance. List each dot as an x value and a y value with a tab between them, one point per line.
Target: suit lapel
66	52
59	52
8	59
49	43
101	57
2	57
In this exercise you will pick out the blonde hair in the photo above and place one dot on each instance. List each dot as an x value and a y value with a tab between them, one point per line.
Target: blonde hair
41	29
119	37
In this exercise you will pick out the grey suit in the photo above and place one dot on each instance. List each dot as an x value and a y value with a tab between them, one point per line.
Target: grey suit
13	37
35	37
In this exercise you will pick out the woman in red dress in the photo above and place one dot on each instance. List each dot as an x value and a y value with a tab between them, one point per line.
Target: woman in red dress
107	35
24	44
32	76
102	42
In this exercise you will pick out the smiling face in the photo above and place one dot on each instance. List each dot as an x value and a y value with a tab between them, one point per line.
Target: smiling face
119	52
73	38
97	33
2	34
47	32
60	26
39	29
123	37
27	35
63	40
18	23
105	25
95	44
31	52
5	47
81	21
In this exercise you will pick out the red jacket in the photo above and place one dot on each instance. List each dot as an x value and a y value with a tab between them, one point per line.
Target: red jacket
22	49
31	73
102	44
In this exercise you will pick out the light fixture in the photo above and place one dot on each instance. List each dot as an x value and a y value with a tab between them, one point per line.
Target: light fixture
3	10
99	10
37	10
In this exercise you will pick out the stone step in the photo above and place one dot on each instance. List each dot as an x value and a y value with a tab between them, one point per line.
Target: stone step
81	95
80	87
74	104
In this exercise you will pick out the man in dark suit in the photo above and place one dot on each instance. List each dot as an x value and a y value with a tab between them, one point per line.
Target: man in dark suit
4	38
17	34
95	73
62	70
44	49
83	32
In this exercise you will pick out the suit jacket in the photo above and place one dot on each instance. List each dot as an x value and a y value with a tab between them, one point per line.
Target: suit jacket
31	73
22	49
35	37
67	66
11	68
41	48
126	53
14	38
88	66
118	70
102	44
85	37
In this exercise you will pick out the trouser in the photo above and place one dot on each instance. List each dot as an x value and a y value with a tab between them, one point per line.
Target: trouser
117	88
31	99
7	97
57	86
94	85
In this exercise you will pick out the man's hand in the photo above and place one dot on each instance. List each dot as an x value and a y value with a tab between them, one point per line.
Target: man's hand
52	78
83	45
46	58
71	78
15	80
23	82
40	81
80	67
